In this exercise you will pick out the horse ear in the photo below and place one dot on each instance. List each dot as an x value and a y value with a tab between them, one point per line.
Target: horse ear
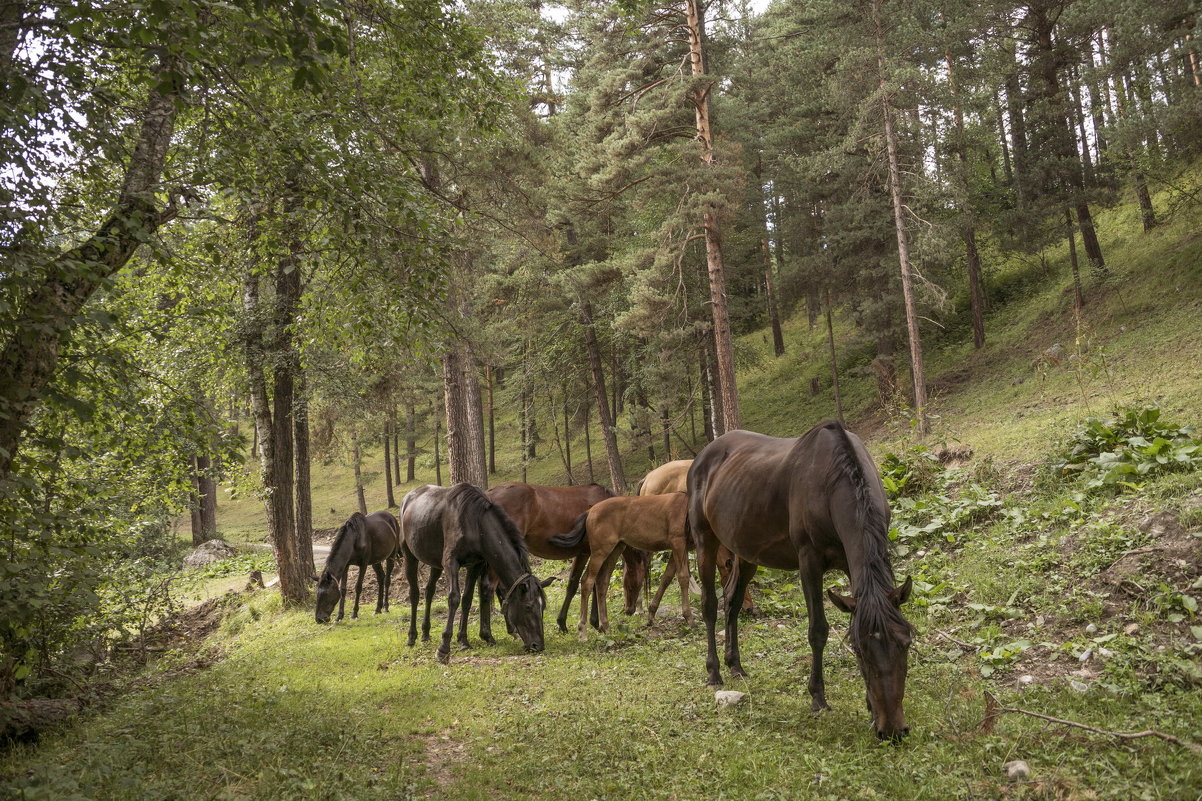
899	595
843	602
547	582
314	579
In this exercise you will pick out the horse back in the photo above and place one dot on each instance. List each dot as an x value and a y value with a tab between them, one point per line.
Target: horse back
649	522
668	477
541	511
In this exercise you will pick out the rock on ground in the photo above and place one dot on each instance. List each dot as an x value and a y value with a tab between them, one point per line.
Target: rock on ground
207	553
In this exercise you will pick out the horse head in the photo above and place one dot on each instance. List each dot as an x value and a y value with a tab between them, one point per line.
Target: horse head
523	607
880	638
328	593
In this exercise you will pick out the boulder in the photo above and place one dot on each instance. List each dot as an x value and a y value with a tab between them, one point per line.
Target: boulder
209	552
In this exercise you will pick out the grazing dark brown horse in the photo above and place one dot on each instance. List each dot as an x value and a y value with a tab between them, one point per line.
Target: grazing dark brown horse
810	504
673	477
541	512
453	527
362	540
651	523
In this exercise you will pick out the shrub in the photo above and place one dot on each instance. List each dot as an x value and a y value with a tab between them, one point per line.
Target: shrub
1113	452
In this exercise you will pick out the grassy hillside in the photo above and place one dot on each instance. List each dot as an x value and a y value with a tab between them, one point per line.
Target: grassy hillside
1137	342
1078	604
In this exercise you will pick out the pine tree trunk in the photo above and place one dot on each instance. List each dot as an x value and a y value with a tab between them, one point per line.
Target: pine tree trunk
567	437
389	497
727	399
465	434
968	213
608	431
492	429
778	337
303	473
665	423
394	423
1007	170
588	445
357	459
830	342
438	455
198	532
411	444
903	247
1078	302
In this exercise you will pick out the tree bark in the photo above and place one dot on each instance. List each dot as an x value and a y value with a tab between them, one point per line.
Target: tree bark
778	337
588	445
1078	302
357	460
465	435
830	342
29	357
389	498
968	212
411	444
437	455
608	431
727	400
304	481
492	429
903	247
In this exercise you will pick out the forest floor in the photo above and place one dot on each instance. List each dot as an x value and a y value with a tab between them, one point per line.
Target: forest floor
1074	603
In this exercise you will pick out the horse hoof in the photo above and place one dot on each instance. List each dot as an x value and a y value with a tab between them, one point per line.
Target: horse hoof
444	658
563	628
490	640
738	673
411	643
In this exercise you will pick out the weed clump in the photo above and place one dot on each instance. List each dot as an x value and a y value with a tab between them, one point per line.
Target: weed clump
1115	453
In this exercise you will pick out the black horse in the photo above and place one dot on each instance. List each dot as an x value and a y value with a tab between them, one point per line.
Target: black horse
810	504
453	527
362	540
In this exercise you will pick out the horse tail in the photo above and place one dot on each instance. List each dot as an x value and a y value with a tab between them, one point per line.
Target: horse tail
574	537
638	489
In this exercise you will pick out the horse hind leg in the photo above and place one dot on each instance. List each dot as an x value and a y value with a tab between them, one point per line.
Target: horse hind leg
811	583
682	575
573	585
743	572
707	550
342	592
601	590
412	576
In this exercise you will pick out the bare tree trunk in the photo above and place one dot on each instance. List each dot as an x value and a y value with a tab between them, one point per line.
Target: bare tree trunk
588	445
389	497
492	429
727	399
465	435
198	532
567	437
564	446
968	213
778	337
608	430
394	423
708	417
357	459
830	342
903	247
437	455
1072	260
303	472
411	443
665	424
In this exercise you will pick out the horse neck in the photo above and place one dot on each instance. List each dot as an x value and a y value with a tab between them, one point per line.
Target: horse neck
501	554
340	554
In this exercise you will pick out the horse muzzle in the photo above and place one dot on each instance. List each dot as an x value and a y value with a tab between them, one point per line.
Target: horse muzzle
534	648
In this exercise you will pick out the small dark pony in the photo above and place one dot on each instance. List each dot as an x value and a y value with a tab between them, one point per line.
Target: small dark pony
452	527
810	504
362	540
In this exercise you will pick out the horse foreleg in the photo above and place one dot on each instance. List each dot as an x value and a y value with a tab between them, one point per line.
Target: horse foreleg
586	586
570	591
444	650
682	574
469	589
346	571
486	595
743	571
412	576
381	586
431	586
669	574
811	585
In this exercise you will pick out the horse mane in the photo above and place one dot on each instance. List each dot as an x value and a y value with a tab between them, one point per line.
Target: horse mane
471	500
874	611
355	525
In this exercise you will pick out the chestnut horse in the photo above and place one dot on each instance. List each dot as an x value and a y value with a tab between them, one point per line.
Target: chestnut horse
650	523
672	477
810	504
541	512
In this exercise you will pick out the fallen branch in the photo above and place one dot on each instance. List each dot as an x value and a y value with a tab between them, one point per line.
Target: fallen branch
960	643
993	709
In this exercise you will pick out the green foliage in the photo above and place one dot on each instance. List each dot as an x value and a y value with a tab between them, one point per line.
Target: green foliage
930	502
241	564
1115	453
